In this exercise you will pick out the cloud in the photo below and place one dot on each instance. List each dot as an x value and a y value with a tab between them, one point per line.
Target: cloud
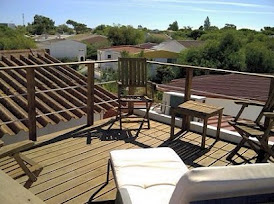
232	11
229	3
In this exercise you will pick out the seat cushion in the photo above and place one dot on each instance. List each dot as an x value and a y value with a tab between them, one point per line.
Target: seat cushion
206	183
147	175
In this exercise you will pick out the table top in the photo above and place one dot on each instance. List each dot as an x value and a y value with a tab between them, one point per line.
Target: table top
199	109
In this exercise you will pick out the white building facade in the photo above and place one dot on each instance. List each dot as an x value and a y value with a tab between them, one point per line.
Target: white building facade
63	48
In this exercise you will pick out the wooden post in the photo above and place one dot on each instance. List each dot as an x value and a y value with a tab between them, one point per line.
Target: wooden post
271	88
31	104
188	83
90	95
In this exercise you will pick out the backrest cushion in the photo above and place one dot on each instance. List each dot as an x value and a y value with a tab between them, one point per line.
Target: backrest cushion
224	182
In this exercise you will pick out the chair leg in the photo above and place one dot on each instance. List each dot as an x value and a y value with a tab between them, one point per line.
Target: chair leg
24	167
104	185
147	114
120	114
237	148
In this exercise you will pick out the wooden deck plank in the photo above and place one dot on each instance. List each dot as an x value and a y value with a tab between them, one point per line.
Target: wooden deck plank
152	143
62	171
73	169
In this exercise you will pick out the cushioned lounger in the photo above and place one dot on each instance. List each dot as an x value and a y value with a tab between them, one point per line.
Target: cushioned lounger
158	175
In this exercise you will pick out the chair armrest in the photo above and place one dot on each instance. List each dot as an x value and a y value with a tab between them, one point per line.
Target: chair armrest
247	103
244	105
268	114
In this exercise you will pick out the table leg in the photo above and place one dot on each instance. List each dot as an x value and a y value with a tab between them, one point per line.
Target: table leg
219	124
172	124
204	133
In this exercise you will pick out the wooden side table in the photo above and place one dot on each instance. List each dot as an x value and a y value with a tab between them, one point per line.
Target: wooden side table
199	110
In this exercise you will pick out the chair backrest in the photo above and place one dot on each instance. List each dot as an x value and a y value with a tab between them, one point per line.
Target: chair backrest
132	72
269	105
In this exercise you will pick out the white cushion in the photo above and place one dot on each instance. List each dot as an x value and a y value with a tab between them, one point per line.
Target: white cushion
224	182
148	175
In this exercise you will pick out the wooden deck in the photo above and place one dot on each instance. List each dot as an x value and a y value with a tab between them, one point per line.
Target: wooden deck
75	163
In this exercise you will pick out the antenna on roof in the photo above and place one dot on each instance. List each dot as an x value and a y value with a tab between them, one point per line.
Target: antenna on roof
23	16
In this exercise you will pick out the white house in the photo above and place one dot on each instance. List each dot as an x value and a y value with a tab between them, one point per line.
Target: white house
114	52
63	48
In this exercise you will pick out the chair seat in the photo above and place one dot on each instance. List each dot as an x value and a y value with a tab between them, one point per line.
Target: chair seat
132	98
251	131
248	128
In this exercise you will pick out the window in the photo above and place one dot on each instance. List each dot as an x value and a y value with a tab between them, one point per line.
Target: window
109	56
169	60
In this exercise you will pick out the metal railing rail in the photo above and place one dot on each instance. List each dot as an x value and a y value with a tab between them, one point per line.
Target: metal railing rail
211	69
31	92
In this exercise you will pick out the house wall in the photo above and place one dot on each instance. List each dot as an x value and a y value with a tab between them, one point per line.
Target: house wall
66	49
103	55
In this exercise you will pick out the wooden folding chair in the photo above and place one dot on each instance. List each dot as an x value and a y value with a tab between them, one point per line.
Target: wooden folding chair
13	150
132	73
255	133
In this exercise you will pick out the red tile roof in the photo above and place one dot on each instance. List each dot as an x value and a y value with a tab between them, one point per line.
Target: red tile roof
224	86
148	45
13	82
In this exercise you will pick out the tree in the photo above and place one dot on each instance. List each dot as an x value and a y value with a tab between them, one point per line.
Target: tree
259	59
195	34
230	26
173	26
224	53
164	74
102	29
125	35
78	27
206	23
63	28
41	25
92	49
211	28
154	39
14	39
268	30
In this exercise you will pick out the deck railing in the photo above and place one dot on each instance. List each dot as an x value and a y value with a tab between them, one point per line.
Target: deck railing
30	77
